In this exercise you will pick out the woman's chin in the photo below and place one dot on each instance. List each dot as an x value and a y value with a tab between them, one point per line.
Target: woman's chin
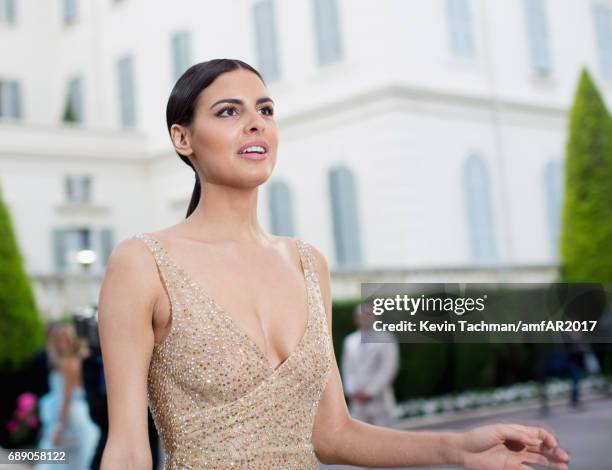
256	168
253	177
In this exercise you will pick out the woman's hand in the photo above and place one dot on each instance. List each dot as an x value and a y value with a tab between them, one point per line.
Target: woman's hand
510	447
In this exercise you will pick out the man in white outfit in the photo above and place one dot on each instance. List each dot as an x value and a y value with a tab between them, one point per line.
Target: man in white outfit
368	371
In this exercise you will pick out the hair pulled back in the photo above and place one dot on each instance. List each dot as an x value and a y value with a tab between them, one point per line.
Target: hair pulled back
182	103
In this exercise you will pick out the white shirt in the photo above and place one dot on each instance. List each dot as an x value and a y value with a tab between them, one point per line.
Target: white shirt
370	367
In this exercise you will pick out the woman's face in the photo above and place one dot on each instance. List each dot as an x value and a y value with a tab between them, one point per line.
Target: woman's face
62	339
219	130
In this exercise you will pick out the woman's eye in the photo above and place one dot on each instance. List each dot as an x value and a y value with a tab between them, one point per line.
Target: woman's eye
225	109
270	110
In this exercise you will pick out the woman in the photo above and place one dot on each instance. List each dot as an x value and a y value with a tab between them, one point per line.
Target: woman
227	329
64	413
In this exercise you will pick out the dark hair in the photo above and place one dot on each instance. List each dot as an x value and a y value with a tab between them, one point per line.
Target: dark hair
182	102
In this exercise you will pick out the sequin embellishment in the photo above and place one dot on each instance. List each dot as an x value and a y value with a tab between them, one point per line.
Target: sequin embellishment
216	401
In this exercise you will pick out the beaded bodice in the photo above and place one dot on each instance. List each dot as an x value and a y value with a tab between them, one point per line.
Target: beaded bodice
215	399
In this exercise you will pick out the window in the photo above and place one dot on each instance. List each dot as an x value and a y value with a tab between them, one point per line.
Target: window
460	28
67	244
106	244
553	184
7	12
281	213
78	188
327	29
74	101
266	40
81	249
127	102
69	11
181	53
603	33
10	99
537	34
481	224
345	216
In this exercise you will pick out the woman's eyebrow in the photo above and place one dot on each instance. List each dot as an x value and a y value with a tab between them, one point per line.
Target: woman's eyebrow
239	101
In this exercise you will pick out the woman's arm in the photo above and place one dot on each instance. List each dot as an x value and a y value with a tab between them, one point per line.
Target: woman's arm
69	368
125	312
340	439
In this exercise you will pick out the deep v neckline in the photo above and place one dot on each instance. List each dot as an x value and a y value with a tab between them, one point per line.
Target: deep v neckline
196	286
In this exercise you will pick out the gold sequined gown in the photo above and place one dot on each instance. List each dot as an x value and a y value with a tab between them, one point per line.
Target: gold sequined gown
216	401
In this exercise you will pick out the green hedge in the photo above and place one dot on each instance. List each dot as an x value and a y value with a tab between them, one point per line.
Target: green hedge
429	369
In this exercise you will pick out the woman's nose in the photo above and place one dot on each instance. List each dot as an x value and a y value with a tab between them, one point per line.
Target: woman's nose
256	120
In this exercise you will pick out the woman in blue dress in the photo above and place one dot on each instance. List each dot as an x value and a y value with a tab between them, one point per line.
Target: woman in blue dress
64	412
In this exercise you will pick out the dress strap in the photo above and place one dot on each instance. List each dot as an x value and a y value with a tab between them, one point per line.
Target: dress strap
307	259
155	247
163	263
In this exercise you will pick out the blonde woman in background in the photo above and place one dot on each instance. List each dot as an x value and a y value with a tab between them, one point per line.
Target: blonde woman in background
64	413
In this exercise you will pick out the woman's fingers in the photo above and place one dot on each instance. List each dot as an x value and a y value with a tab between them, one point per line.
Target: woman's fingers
529	457
539	433
549	444
534	457
516	433
538	441
556	454
558	466
548	439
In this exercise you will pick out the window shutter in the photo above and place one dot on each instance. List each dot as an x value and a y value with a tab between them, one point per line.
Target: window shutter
107	243
480	215
70	11
75	96
15	100
327	30
460	27
537	35
603	30
127	102
281	213
266	40
553	183
181	53
345	216
59	250
7	14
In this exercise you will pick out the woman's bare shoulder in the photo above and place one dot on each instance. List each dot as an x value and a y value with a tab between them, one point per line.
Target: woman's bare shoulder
171	233
130	254
131	267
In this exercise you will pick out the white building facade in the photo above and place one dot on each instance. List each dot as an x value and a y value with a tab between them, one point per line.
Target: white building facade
419	141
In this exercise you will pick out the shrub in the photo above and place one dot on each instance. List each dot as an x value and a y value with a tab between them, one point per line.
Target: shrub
586	236
21	330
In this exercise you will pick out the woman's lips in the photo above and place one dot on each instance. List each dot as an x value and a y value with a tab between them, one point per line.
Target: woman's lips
253	155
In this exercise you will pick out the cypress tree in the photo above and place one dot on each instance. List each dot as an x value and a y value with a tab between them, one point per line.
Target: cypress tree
21	331
586	228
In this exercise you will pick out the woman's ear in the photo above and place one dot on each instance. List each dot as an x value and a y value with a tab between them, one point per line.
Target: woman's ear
181	139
